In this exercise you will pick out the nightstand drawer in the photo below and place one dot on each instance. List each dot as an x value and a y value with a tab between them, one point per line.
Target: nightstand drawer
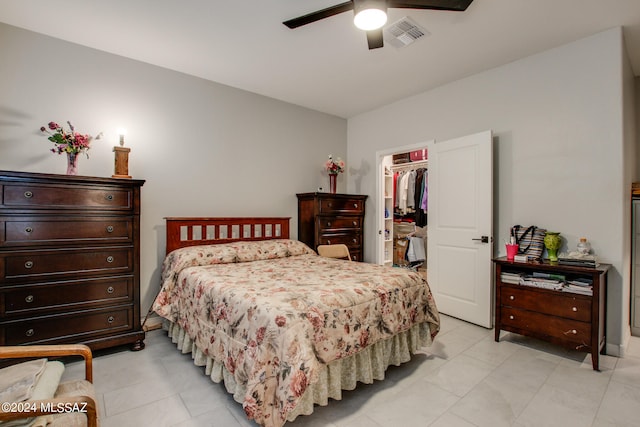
64	296
72	327
349	239
40	264
60	230
333	223
34	196
561	304
578	334
341	206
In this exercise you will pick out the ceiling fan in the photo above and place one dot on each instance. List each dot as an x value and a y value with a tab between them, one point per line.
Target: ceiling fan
371	15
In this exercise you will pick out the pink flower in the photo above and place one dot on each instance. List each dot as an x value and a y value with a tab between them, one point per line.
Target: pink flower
298	383
250	407
364	338
315	317
281	321
68	142
334	167
260	334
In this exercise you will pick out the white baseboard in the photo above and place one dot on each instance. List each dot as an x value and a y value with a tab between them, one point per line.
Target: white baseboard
619	350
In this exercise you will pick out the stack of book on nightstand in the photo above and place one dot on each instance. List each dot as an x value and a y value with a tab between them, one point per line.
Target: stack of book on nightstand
577	259
513	278
543	280
582	286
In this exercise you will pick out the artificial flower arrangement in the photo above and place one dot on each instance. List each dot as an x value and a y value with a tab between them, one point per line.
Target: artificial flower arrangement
70	141
334	167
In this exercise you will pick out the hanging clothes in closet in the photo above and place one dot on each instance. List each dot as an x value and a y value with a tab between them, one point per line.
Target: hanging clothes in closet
420	197
410	195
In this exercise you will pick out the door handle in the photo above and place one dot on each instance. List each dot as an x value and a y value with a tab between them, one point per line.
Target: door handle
483	239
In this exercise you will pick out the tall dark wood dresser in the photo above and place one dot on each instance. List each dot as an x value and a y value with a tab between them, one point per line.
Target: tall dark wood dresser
327	218
69	260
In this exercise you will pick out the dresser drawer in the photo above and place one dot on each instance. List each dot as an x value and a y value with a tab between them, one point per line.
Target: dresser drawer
341	206
50	230
71	327
549	302
334	223
356	255
40	264
576	334
64	296
349	239
41	196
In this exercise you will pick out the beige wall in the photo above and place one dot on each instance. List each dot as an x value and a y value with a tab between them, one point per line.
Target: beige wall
203	148
562	128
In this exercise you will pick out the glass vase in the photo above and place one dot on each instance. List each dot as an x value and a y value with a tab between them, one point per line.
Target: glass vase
72	163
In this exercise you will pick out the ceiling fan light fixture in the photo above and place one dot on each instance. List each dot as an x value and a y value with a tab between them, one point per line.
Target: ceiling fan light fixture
369	14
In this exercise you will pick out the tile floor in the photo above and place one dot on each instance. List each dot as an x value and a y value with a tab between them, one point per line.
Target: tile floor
465	379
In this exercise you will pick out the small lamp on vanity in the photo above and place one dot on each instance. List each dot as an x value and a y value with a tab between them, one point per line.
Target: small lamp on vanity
121	158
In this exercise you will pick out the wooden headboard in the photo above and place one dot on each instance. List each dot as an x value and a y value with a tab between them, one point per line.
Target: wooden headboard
192	231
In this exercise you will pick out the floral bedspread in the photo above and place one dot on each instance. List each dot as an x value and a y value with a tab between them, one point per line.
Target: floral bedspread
272	311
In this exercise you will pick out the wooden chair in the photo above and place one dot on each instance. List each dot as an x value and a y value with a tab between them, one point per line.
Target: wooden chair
77	395
334	251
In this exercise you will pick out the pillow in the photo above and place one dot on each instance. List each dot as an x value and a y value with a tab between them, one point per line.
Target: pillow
17	381
224	253
261	250
45	388
296	248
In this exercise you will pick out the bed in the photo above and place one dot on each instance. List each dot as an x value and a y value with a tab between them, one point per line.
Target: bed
283	328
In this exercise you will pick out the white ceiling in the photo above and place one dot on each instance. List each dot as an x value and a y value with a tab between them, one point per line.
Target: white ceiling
325	65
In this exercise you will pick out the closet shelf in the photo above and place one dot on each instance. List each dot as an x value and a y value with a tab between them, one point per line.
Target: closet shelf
410	165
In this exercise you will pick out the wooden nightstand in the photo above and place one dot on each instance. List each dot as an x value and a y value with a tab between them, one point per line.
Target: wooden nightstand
573	320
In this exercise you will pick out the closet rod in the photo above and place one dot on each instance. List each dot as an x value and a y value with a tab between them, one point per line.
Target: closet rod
410	165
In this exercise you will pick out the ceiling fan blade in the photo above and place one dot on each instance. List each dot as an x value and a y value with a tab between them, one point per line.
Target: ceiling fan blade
452	5
318	15
374	39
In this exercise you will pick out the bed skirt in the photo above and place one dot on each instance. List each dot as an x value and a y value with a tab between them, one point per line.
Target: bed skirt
366	366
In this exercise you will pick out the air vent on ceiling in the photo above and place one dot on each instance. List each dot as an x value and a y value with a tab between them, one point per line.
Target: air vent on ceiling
404	32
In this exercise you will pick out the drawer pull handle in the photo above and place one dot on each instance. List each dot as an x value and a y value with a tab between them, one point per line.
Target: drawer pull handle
355	205
109	259
28	230
29	298
109	196
511	317
355	223
572	331
329	204
110	319
355	241
110	290
328	242
30	332
511	297
574	308
28	264
328	223
28	194
109	228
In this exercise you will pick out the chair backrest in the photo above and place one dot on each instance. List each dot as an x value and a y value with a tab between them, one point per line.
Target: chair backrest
334	251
